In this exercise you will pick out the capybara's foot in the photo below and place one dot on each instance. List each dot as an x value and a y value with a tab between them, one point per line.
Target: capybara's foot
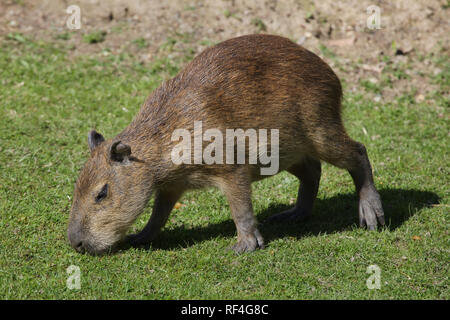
248	243
136	240
371	211
292	215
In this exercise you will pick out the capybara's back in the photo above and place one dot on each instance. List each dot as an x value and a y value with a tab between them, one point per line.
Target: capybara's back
184	137
256	81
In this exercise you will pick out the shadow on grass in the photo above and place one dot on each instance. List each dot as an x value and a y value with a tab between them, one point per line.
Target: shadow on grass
331	215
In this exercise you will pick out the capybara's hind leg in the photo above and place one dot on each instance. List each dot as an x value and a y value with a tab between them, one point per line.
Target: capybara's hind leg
343	152
370	208
308	171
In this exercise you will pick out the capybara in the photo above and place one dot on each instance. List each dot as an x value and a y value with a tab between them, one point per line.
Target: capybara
248	84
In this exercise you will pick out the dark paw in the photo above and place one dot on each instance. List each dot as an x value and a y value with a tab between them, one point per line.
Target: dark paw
293	215
136	240
371	212
249	243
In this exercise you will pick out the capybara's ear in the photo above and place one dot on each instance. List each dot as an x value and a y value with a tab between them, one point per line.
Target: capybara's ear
119	151
94	139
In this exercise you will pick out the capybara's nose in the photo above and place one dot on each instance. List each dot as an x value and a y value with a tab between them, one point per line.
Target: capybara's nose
78	246
75	240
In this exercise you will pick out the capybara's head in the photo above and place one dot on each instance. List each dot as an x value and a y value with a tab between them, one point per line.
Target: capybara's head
111	191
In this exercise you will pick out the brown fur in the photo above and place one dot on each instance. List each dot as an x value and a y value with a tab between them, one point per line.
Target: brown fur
255	81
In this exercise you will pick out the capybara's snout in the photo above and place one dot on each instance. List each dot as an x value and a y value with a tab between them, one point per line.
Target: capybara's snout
75	236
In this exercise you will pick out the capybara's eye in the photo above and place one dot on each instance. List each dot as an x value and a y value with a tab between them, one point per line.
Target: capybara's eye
102	194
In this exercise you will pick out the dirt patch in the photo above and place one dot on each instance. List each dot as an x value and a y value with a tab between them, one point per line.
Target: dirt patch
412	31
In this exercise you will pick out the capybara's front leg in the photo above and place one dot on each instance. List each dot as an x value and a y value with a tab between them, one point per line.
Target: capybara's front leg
237	189
164	203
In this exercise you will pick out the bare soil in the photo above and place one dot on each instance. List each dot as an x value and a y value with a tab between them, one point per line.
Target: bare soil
412	31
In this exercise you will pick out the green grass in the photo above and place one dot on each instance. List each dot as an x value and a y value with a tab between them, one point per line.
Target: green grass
49	102
95	37
141	43
259	24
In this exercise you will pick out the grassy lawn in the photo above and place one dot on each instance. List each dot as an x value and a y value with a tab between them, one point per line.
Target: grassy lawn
48	104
